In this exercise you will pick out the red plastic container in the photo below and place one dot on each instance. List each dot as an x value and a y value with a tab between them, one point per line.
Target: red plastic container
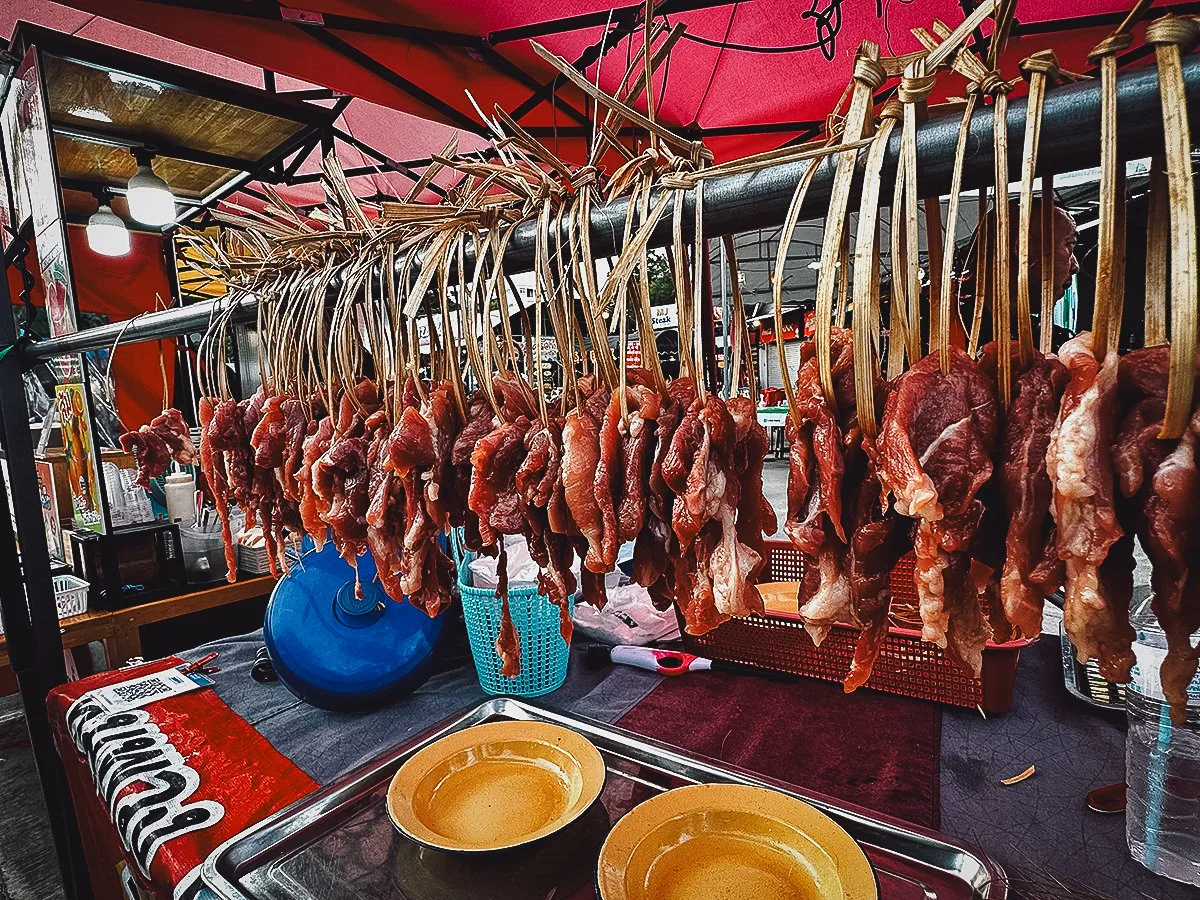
906	664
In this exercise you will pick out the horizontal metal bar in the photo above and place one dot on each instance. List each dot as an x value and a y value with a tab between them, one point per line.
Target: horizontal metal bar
736	203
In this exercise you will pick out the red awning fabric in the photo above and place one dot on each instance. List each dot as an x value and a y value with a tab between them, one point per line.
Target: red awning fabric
747	76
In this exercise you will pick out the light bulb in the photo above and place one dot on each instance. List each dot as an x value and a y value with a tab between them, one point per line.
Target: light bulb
106	233
150	199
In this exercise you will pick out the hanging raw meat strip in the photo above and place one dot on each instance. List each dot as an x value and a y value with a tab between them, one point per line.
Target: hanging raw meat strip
1172	541
313	506
581	458
607	481
653	549
508	642
1160	499
1079	462
827	465
217	416
480	421
879	537
174	431
1025	583
536	481
637	449
715	569
815	485
935	453
151	451
166	437
755	515
385	519
340	476
493	496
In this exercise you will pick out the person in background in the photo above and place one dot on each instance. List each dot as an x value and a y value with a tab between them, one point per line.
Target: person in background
1065	268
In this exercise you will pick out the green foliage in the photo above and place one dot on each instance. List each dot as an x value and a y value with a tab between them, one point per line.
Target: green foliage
662	285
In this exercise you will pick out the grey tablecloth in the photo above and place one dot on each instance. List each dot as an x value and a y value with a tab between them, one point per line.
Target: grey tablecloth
326	744
1033	828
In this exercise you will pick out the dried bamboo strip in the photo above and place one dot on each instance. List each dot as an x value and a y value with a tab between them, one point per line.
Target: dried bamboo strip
868	78
1170	36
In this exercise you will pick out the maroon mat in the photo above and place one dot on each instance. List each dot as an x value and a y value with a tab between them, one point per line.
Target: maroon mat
877	750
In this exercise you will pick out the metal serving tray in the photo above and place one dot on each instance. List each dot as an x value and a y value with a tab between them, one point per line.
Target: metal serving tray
339	842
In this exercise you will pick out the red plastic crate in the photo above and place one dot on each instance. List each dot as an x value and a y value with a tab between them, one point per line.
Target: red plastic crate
906	664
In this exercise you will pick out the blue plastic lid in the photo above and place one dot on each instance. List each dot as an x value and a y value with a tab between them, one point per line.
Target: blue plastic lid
338	651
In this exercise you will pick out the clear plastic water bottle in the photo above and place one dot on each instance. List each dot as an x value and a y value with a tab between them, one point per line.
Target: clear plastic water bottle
1162	763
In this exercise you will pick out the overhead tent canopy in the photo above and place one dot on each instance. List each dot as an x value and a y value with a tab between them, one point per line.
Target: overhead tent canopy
743	70
746	76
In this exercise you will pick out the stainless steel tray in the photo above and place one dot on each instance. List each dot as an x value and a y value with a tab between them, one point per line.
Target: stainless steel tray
339	843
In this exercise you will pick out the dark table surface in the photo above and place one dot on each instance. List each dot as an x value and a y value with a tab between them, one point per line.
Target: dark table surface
1037	829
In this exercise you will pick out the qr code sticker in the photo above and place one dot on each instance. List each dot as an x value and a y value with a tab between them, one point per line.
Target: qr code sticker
144	690
136	692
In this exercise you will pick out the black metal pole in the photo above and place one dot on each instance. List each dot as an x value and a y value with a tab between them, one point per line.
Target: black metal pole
30	614
737	203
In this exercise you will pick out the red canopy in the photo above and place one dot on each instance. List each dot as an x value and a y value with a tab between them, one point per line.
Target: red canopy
747	76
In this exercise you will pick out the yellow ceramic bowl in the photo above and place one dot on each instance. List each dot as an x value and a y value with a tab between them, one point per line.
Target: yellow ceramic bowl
495	786
731	842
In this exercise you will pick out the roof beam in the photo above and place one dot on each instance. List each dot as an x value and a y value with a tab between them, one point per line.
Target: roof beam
514	71
385	162
586	58
394	78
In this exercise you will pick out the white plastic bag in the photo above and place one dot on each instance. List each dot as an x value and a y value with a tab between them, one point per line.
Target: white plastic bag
627	618
522	570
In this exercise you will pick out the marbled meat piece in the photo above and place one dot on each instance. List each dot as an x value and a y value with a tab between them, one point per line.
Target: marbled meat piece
1079	463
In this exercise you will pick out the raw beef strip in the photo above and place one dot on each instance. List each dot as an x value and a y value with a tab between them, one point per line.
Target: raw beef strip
480	421
508	642
1027	492
213	465
166	437
581	458
1172	541
151	451
935	451
645	405
653	548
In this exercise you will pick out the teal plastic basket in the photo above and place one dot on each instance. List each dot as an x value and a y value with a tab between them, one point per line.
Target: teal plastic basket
544	654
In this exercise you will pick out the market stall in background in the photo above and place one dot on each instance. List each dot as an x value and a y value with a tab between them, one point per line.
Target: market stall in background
682	494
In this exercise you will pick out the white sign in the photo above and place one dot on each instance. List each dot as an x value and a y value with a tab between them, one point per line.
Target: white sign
664	316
